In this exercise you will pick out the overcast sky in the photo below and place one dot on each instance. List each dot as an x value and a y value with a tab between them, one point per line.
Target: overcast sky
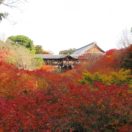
64	24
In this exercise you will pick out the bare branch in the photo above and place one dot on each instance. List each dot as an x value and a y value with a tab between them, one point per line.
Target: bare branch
10	3
126	38
1	1
3	15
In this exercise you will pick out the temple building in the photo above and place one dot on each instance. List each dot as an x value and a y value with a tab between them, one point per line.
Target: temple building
89	53
85	51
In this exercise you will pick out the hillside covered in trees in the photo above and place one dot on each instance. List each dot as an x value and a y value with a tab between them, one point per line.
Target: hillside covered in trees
87	98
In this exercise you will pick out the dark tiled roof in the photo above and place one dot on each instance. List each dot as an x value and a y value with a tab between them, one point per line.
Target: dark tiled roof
53	57
50	56
82	50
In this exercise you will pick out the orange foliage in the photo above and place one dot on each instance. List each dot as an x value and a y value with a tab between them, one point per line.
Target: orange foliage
14	81
48	68
4	53
1	130
43	101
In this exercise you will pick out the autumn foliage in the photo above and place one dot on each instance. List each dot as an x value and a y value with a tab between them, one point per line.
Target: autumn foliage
85	99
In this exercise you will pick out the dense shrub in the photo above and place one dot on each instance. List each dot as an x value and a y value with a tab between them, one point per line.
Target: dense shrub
19	56
14	81
107	109
122	77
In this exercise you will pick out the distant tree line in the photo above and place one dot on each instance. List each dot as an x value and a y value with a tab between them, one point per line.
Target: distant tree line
27	43
67	52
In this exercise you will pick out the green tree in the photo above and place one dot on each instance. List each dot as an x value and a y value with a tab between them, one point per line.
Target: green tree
39	50
22	40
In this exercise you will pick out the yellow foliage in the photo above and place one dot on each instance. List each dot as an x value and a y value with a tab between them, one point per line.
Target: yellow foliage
120	77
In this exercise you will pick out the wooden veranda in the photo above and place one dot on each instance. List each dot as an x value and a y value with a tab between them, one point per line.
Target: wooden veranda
63	62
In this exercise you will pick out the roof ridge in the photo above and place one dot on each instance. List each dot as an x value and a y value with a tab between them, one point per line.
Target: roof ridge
93	43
